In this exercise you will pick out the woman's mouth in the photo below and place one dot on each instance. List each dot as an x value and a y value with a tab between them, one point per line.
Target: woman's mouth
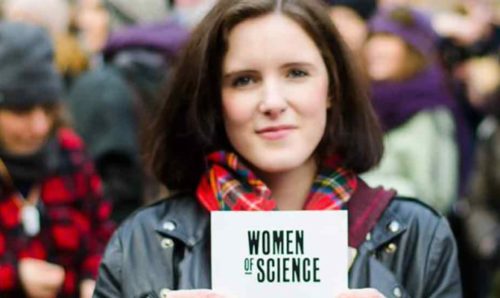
276	132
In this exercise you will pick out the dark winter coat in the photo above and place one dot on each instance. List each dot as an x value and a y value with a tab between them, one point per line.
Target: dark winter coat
410	252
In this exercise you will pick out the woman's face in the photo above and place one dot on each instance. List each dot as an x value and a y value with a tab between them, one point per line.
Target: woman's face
274	94
24	132
385	55
93	23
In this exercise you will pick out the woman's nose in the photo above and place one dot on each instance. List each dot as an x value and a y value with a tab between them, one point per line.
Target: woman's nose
274	102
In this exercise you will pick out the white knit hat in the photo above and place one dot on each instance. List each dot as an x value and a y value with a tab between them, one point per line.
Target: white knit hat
128	12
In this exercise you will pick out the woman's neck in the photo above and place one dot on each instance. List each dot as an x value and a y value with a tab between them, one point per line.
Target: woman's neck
290	189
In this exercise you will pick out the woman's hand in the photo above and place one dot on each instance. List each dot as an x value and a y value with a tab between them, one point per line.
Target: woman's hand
196	294
40	279
361	293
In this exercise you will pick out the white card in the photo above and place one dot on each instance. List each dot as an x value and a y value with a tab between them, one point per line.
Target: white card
292	254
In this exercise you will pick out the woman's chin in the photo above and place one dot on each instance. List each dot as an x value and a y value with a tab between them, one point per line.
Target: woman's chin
279	165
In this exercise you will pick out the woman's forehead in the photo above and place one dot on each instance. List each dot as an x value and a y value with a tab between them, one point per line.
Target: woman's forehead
270	37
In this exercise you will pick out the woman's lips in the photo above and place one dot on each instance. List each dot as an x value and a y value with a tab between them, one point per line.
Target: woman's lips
275	132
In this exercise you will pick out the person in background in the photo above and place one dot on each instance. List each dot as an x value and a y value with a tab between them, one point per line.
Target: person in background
54	221
133	45
250	123
54	16
425	135
470	38
481	212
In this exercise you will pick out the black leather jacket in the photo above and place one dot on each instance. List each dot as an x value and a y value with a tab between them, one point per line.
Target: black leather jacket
411	252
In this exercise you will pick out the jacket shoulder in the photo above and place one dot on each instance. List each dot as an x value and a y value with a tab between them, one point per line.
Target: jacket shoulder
416	222
182	208
409	218
419	219
412	207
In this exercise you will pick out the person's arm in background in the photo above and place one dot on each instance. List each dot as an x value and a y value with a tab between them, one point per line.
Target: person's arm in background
97	210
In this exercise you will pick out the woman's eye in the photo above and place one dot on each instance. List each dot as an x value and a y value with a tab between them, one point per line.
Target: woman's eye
242	81
296	73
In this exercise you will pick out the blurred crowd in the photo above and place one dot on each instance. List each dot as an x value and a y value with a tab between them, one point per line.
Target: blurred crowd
432	69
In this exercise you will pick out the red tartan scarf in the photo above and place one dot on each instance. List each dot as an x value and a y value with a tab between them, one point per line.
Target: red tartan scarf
230	185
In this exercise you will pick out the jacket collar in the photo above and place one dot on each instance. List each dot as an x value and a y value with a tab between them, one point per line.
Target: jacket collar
186	220
366	207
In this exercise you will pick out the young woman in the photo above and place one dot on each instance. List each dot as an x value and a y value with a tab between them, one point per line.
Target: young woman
264	112
54	222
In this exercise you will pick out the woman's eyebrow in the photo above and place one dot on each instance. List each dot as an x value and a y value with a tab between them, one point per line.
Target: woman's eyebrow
232	73
299	64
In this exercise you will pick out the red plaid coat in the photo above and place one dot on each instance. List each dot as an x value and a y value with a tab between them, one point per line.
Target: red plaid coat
75	223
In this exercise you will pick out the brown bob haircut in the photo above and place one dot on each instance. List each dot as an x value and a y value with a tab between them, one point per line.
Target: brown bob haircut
189	124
